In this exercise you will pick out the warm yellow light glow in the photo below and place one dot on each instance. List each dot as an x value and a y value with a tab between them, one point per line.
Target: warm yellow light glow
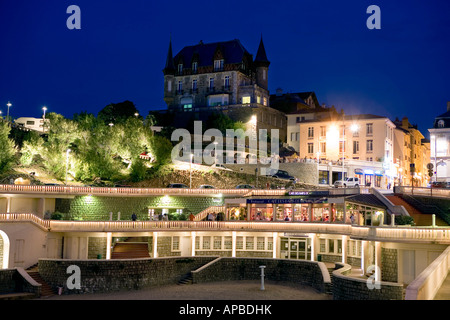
354	127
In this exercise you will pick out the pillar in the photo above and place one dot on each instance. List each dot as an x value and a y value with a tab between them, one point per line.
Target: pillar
364	255
155	244
193	235
344	248
233	244
108	245
8	204
313	240
275	245
377	245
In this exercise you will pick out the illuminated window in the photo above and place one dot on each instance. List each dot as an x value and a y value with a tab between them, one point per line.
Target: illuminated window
246	100
206	243
239	243
175	243
249	243
228	243
217	245
260	243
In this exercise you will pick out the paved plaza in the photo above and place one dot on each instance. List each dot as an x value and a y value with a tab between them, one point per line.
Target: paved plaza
232	290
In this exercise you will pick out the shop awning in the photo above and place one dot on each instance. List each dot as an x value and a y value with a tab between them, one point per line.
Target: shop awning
359	171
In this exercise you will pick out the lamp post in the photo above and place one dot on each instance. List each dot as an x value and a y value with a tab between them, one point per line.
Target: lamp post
44	108
67	162
7	115
190	171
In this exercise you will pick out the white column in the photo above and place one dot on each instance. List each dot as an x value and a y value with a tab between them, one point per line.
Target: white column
344	248
155	244
233	244
364	253
377	261
108	245
193	235
313	240
275	245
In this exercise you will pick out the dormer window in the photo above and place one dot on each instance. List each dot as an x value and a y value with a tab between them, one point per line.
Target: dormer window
180	68
441	124
194	67
218	65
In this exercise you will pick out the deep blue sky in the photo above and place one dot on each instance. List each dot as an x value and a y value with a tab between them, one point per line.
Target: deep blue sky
321	46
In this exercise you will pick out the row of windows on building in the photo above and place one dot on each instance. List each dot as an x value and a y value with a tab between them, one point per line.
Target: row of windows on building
257	243
355	131
323	146
218	66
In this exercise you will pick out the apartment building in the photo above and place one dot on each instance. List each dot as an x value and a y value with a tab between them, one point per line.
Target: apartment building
345	145
411	154
440	146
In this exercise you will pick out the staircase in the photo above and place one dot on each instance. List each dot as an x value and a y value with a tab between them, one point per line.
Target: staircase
420	218
186	279
46	290
130	250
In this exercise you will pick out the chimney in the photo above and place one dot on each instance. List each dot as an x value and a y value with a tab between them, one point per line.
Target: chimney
405	123
448	105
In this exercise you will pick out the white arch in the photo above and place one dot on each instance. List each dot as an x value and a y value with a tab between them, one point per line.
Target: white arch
6	246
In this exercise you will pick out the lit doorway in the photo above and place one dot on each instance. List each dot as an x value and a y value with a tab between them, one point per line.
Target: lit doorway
295	248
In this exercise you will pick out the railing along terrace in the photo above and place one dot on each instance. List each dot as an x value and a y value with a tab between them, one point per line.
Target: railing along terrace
383	233
14	188
421	191
82	190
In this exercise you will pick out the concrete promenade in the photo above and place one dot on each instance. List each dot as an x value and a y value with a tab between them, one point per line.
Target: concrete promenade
232	290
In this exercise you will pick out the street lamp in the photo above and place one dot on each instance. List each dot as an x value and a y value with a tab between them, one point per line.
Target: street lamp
7	115
190	171
44	108
67	162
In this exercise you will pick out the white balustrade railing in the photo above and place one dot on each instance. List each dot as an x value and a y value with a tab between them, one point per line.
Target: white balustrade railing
14	188
384	233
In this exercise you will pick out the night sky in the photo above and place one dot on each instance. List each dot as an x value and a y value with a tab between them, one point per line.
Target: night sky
403	69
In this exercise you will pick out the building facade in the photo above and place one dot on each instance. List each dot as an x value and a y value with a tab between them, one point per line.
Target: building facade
345	146
440	146
411	154
220	77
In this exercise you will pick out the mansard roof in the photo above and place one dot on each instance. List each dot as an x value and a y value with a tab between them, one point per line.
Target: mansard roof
232	51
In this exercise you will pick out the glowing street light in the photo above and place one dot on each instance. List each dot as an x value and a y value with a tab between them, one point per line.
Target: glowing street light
7	115
44	108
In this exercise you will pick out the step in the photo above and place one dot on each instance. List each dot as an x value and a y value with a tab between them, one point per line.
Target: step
46	290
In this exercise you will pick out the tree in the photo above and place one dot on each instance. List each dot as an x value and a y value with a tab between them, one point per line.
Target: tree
117	113
7	148
61	135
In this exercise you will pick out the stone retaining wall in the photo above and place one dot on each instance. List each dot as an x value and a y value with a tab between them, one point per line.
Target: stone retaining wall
350	288
294	271
305	172
17	281
114	275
